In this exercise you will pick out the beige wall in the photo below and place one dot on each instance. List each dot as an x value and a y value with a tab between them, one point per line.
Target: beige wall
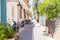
12	11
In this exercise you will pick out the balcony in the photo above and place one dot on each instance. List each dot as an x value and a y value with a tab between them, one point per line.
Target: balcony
27	2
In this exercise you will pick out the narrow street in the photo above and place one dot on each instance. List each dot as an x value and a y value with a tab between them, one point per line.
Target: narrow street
29	19
33	31
27	32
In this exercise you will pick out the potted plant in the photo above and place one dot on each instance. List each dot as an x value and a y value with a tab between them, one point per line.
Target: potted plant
2	33
7	33
51	10
10	33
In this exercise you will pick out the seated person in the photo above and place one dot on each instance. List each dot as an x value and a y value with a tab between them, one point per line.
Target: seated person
15	25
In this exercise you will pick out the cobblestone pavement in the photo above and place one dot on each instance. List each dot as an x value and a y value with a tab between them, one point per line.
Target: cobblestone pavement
38	33
27	32
33	31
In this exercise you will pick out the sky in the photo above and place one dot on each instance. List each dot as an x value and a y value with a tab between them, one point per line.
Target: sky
31	2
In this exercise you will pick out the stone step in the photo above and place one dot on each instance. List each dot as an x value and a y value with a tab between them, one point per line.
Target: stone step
57	33
59	23
58	26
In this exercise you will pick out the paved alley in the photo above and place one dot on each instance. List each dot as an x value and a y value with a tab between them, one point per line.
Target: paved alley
27	32
33	31
39	34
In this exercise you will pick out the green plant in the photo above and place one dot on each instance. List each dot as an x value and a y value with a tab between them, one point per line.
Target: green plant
50	8
10	32
35	4
6	32
2	33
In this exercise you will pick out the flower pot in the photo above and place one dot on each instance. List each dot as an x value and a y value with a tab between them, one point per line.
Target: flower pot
14	38
11	38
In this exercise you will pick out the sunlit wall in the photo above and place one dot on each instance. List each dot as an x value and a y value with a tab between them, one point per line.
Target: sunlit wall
11	11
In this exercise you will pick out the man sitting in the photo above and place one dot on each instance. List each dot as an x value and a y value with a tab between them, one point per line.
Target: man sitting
15	25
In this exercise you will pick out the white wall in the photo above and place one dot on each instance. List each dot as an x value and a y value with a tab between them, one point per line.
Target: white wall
42	20
9	11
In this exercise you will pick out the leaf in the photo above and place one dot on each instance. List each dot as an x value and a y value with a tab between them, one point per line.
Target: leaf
49	7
